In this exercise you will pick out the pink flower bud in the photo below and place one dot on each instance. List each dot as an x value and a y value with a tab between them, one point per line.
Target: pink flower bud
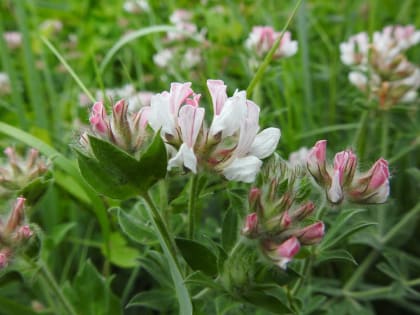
98	119
345	163
24	232
286	220
5	255
254	199
251	225
316	162
373	186
16	216
303	211
312	234
286	251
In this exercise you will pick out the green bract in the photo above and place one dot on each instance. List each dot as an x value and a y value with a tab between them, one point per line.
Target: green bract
116	174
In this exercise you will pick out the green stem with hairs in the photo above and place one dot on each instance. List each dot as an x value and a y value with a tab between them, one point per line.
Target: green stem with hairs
192	212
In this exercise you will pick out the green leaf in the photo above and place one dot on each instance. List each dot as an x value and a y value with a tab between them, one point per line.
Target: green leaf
336	254
153	163
200	279
229	229
101	180
267	302
34	190
157	299
273	274
346	233
131	224
198	256
119	175
339	224
9	307
121	254
91	294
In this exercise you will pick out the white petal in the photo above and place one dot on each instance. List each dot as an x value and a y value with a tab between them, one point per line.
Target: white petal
184	157
265	143
159	116
190	120
335	193
232	114
243	169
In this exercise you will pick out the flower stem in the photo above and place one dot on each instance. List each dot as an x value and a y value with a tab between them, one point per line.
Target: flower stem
360	137
47	276
258	75
384	134
157	220
169	250
192	213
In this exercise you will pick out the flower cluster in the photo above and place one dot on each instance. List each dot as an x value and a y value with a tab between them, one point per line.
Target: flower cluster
20	171
135	99
231	145
191	56
342	180
380	67
279	217
262	39
14	233
124	129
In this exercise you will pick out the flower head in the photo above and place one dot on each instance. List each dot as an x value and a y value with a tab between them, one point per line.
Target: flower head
342	180
262	39
122	128
231	145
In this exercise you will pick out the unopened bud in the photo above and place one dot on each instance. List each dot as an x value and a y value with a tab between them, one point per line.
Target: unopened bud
303	211
98	119
345	163
316	162
312	234
254	199
251	225
24	232
373	186
17	215
5	255
286	251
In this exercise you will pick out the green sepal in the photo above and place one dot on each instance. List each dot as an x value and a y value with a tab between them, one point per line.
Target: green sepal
116	174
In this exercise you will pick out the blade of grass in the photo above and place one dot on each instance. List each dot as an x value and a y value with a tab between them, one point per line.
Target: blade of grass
11	71
31	74
261	69
68	68
135	35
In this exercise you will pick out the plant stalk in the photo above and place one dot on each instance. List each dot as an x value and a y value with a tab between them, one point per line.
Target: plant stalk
192	212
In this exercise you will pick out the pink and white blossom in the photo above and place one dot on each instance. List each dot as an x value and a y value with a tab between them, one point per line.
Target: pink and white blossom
286	251
262	38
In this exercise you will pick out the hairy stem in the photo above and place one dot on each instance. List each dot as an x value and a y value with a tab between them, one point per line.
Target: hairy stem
48	278
192	212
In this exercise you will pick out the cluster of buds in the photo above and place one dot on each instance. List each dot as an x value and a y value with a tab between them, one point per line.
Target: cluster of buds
381	69
14	233
279	219
231	145
342	180
124	129
20	171
135	100
262	39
